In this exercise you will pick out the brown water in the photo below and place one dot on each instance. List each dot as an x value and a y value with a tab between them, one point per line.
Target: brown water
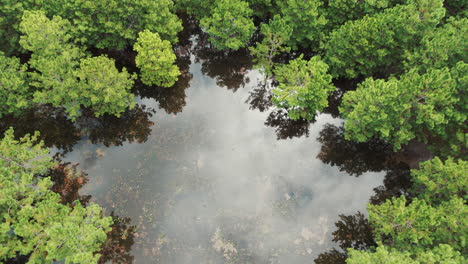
208	172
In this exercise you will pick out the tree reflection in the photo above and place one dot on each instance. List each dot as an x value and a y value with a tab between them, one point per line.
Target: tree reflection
333	256
68	180
286	127
228	68
119	242
397	182
357	158
352	157
334	101
56	130
53	124
352	231
260	97
134	125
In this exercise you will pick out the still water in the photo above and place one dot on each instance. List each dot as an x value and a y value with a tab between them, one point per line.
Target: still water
213	184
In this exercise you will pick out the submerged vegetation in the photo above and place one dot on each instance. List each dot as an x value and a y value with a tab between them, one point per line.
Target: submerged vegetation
394	70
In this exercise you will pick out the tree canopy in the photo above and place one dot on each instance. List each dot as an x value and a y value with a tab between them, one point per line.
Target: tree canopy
65	76
399	110
229	24
32	219
303	87
156	60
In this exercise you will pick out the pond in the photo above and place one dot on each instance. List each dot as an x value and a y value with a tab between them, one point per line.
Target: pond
209	172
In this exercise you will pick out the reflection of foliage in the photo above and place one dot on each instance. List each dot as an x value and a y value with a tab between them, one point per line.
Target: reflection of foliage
57	130
286	127
133	125
227	67
397	182
353	231
68	180
119	242
353	157
260	97
55	127
331	257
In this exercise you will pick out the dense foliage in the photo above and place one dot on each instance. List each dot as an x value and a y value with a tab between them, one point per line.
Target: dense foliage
64	76
303	87
399	110
403	63
431	228
156	60
33	222
229	24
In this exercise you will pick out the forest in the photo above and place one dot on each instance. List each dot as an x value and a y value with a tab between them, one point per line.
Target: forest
393	72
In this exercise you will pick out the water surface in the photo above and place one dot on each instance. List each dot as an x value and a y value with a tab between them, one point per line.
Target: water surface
212	183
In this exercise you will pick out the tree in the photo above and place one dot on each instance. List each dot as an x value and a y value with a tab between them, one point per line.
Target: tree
15	95
419	226
303	87
111	24
307	20
115	24
156	60
229	24
376	43
103	88
33	222
436	181
442	254
64	77
442	47
275	34
340	11
195	7
398	110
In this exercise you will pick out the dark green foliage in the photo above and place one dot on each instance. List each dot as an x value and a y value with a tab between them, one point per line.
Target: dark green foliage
442	254
307	20
275	35
376	43
103	23
419	226
116	23
442	47
229	24
340	11
399	110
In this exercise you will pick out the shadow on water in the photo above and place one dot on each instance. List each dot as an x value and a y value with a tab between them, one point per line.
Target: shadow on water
228	68
354	231
58	131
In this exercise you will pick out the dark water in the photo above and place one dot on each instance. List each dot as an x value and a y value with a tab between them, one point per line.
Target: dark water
209	172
